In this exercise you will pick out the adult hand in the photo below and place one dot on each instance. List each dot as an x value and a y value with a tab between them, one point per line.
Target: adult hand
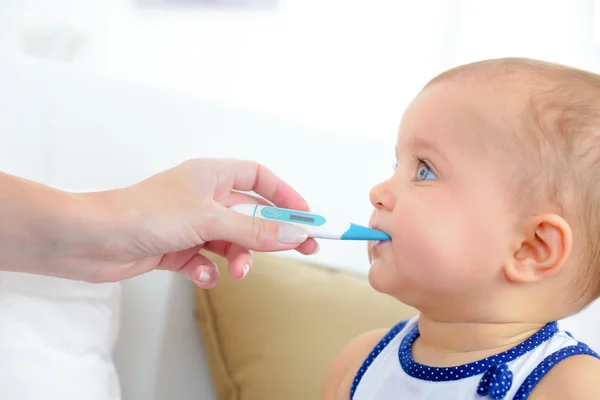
164	221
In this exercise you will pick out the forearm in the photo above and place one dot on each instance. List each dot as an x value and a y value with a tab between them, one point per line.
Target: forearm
40	227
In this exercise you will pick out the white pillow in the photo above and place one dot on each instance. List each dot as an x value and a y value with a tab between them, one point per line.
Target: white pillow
56	338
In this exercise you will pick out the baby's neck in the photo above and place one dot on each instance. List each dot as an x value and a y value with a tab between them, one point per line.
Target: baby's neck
446	344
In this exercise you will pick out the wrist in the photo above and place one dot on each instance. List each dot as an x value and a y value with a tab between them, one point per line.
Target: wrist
34	225
64	232
67	229
90	224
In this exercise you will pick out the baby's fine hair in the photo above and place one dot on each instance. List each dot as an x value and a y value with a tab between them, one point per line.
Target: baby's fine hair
559	146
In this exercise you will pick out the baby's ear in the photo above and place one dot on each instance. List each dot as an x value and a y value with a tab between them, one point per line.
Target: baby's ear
542	251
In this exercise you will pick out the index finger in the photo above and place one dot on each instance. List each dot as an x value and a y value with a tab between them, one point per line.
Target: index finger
253	176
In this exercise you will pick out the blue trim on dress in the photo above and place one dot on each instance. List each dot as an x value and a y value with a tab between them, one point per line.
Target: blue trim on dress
439	374
374	353
545	366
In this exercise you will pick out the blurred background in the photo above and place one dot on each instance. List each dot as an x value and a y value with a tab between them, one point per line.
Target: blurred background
101	94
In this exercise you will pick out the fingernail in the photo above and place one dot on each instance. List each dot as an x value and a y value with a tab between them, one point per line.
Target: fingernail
292	234
204	276
317	249
245	270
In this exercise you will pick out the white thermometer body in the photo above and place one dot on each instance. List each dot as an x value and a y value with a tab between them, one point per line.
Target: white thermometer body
317	225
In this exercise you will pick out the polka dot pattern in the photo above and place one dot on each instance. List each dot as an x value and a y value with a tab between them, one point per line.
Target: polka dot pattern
542	369
497	378
374	353
496	382
438	374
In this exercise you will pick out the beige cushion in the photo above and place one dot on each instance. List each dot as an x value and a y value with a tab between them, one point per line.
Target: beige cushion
274	334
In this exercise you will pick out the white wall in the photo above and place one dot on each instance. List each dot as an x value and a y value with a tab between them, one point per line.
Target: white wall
346	66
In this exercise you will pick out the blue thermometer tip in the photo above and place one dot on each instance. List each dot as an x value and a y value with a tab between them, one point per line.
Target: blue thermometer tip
359	232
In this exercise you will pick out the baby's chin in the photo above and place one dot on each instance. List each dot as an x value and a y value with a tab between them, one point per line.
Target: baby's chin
387	278
382	277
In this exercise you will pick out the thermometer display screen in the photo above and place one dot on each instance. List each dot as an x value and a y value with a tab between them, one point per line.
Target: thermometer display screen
302	218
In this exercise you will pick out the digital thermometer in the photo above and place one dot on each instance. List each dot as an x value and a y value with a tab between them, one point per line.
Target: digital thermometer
316	225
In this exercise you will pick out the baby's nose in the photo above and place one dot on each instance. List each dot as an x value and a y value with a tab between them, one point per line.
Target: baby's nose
382	196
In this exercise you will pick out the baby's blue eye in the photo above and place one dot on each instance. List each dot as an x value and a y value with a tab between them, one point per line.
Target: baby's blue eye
424	173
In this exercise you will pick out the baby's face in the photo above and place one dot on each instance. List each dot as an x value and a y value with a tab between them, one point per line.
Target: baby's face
447	206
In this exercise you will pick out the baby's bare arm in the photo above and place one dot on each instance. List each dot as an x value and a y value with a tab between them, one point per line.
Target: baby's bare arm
574	378
341	374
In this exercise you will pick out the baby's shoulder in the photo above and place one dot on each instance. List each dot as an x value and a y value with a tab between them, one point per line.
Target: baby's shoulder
575	377
338	383
341	374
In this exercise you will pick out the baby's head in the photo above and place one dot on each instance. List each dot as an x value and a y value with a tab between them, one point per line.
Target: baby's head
494	207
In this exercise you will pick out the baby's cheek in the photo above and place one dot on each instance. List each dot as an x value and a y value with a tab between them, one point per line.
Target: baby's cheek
429	240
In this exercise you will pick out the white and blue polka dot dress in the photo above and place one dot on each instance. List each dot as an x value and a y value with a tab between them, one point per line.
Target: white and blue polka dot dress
390	372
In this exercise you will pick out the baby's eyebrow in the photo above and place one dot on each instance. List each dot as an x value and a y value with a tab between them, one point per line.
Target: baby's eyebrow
424	144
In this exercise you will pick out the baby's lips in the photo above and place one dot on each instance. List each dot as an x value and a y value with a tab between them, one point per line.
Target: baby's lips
376	227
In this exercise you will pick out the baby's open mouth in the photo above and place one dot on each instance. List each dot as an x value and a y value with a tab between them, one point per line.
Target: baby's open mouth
376	243
382	238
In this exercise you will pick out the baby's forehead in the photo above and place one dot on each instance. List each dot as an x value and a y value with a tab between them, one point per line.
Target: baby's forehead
472	115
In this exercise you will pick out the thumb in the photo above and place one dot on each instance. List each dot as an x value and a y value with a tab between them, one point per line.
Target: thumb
254	233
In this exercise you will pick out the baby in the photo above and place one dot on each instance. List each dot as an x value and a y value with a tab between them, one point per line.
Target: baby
494	214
